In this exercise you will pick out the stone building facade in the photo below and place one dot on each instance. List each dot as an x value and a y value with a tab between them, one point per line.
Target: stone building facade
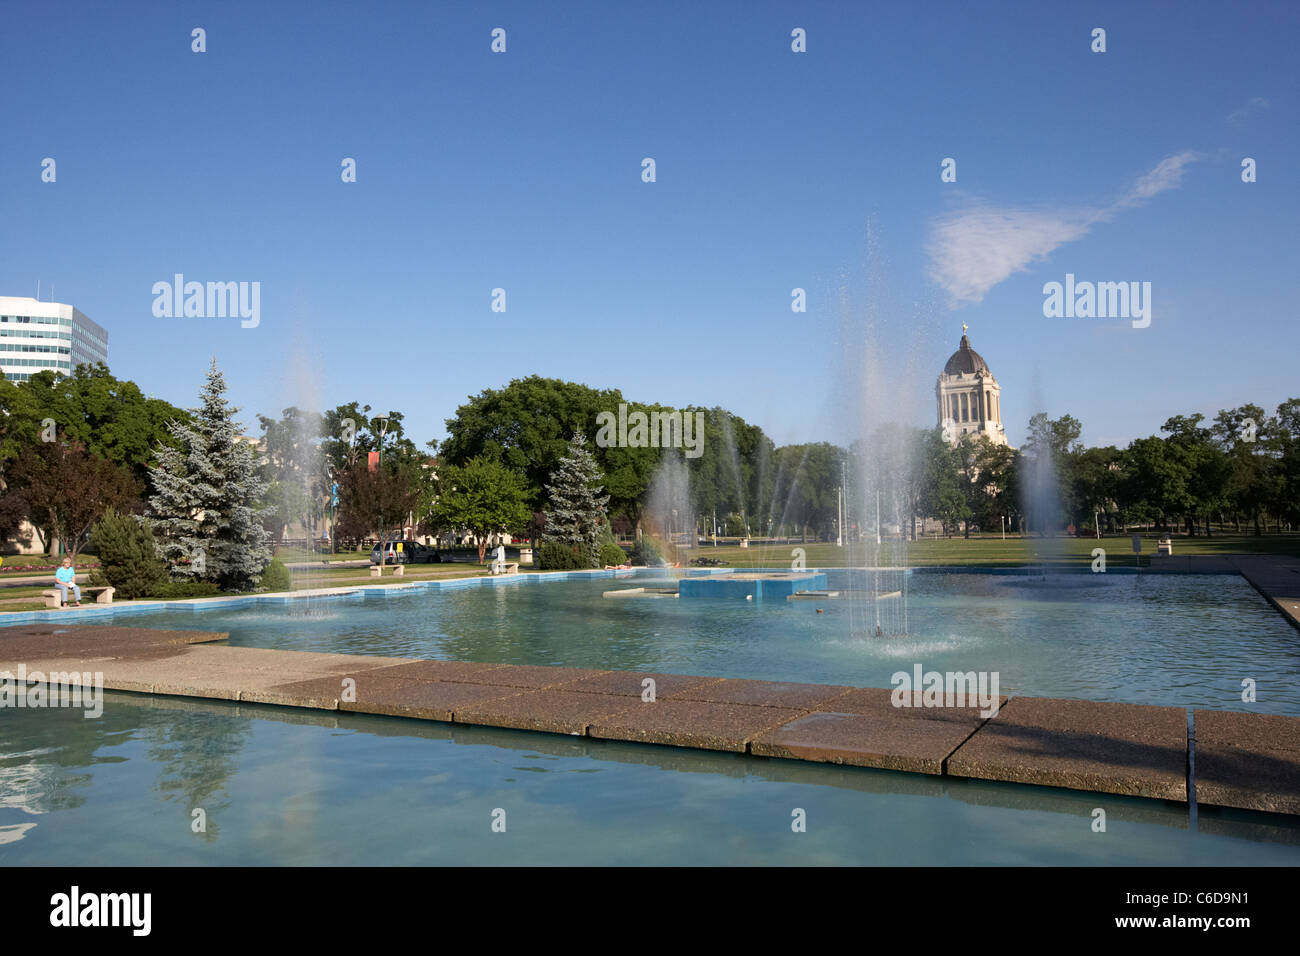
968	398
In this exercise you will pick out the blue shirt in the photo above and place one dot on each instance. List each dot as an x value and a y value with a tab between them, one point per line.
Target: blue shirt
65	574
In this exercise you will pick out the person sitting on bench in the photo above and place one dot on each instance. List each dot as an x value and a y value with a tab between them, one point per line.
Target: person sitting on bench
66	577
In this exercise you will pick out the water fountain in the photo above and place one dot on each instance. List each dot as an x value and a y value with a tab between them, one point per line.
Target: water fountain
305	468
1041	503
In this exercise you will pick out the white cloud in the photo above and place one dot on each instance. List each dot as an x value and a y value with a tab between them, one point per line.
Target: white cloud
1168	174
1250	108
975	248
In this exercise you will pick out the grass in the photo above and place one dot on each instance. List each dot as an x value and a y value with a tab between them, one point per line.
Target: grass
25	592
294	555
321	577
994	552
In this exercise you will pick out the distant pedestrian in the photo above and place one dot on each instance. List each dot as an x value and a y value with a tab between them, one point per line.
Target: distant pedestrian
66	577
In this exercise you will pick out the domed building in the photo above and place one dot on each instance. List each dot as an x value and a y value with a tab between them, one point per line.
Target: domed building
969	397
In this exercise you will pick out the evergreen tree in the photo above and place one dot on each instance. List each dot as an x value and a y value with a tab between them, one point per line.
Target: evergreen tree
576	512
205	490
127	555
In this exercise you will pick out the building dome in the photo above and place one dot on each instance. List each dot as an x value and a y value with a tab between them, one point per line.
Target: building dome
968	398
965	361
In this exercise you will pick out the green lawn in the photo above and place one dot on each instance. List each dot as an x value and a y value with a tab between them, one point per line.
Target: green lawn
293	555
27	592
994	552
322	577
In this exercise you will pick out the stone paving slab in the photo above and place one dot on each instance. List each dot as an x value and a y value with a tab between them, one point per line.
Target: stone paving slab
224	673
890	742
24	643
1131	749
692	723
628	683
761	693
467	672
502	675
1249	761
388	696
550	710
74	671
879	702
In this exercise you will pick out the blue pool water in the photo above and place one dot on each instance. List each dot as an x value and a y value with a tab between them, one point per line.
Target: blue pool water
1177	640
299	787
282	786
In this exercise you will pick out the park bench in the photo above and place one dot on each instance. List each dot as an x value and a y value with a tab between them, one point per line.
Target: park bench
504	567
377	570
101	595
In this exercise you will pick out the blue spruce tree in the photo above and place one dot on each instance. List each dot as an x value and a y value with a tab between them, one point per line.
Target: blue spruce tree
204	506
576	510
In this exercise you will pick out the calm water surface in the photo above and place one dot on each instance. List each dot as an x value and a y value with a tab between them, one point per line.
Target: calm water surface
296	787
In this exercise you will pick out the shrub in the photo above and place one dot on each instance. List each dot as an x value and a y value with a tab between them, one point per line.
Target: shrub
645	551
276	577
556	556
172	590
129	560
611	553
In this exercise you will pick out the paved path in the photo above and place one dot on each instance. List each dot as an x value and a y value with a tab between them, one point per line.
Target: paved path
1242	760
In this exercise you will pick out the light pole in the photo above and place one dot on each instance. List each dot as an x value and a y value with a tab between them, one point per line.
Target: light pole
383	529
842	505
334	500
383	430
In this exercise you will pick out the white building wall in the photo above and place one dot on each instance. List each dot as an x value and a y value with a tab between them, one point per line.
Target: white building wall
36	336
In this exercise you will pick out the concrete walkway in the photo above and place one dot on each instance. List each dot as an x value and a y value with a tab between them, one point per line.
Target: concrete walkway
1242	760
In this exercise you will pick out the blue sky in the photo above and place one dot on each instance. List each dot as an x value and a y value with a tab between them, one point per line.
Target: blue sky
775	170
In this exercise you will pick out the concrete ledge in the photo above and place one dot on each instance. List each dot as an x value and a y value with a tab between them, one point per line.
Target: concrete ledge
630	683
761	693
1129	749
391	697
878	702
692	723
861	727
900	743
1249	761
552	711
507	675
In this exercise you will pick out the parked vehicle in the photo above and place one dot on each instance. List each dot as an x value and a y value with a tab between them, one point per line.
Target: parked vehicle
411	552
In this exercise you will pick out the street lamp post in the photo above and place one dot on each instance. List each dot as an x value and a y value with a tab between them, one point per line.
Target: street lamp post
383	530
334	500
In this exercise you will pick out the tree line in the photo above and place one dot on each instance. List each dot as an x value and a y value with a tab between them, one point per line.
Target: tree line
74	447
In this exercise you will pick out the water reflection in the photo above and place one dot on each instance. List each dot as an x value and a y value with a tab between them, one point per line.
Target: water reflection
290	786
